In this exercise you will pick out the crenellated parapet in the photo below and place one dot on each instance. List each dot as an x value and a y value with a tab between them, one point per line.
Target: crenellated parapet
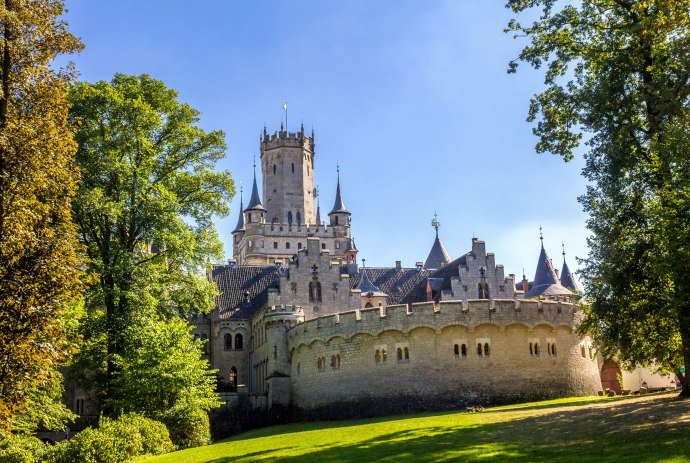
283	139
437	316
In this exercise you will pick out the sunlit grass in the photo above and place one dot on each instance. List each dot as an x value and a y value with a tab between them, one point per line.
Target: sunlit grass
574	429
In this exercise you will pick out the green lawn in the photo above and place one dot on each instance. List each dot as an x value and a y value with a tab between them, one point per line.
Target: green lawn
645	429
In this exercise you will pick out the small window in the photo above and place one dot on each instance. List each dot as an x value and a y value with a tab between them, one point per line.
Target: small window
238	341
487	351
293	167
287	245
233	379
275	352
553	349
582	352
299	218
299	245
384	355
400	353
337	245
463	350
456	350
531	349
275	245
336	220
480	352
227	341
591	354
407	353
274	170
377	356
289	217
536	349
323	245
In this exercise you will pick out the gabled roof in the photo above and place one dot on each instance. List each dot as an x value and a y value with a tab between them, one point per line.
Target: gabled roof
568	279
255	200
339	205
438	256
243	289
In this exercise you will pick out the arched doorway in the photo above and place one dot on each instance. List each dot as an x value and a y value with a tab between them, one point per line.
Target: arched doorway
610	372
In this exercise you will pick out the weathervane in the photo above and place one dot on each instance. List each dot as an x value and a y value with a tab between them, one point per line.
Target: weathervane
541	236
435	223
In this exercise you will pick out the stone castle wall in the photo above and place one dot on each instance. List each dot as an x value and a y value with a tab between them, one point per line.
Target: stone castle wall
335	370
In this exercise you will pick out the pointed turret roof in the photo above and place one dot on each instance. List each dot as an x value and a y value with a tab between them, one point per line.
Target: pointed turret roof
546	282
568	278
240	220
438	256
339	205
255	200
318	209
367	287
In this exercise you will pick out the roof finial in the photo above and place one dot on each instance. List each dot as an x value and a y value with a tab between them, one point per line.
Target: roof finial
255	166
524	277
563	248
337	169
241	190
364	263
541	237
435	223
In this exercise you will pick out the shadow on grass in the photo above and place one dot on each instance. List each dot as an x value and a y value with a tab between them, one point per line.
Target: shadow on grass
642	432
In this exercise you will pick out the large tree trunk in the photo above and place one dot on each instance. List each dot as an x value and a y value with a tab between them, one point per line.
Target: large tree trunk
684	324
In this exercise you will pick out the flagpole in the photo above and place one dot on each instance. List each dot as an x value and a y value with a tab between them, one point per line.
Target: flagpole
285	107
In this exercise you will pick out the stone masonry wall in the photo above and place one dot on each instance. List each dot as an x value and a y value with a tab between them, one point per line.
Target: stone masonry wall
428	373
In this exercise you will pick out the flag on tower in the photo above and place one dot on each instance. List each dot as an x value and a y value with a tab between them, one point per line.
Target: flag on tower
285	106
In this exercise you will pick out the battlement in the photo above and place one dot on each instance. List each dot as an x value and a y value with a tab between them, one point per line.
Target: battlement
283	139
403	318
293	230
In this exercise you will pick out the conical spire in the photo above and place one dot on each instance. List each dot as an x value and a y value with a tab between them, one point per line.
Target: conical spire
240	220
318	208
546	282
438	256
339	205
366	286
567	277
255	200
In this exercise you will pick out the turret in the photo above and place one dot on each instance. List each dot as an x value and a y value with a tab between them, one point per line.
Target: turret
339	215
546	283
238	232
255	210
567	277
438	256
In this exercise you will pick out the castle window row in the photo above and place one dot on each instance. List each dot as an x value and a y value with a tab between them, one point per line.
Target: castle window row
227	341
483	349
460	350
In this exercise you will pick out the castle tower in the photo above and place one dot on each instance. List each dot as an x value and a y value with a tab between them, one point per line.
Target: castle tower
287	164
339	215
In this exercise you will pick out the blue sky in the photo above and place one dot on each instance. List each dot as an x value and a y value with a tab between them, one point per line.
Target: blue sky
411	97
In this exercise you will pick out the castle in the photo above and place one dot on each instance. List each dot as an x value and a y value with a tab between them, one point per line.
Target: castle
300	326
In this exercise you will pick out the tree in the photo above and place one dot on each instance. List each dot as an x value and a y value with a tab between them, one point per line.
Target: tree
39	267
143	210
619	70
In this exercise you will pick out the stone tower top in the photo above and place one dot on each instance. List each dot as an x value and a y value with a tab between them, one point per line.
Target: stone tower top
287	164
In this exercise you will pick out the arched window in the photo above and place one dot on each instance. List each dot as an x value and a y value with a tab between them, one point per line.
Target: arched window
463	350
487	352
456	350
400	353
238	341
407	353
299	218
290	217
274	169
479	349
227	341
336	220
233	379
483	291
536	349
553	349
531	349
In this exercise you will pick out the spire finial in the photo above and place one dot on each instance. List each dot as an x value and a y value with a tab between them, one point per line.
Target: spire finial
337	169
541	237
255	167
563	249
364	263
241	190
524	277
435	223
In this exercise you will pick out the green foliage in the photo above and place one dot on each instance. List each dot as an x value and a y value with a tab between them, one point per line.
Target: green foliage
44	409
618	70
154	434
144	212
39	266
189	427
22	449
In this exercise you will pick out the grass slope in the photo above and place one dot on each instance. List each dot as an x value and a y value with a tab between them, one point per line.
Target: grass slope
641	429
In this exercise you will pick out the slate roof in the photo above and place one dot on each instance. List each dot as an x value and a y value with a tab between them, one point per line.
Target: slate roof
568	279
403	286
367	287
233	284
438	256
240	221
255	200
338	205
546	281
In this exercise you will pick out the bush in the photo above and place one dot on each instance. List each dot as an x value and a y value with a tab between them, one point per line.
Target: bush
22	449
188	428
154	434
115	441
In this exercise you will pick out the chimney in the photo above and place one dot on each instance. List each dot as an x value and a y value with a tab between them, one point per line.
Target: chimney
398	265
419	265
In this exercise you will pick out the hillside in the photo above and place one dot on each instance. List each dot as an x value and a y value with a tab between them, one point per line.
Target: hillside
651	428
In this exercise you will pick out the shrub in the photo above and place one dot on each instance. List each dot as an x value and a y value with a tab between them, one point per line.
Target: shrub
188	428
154	434
22	449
